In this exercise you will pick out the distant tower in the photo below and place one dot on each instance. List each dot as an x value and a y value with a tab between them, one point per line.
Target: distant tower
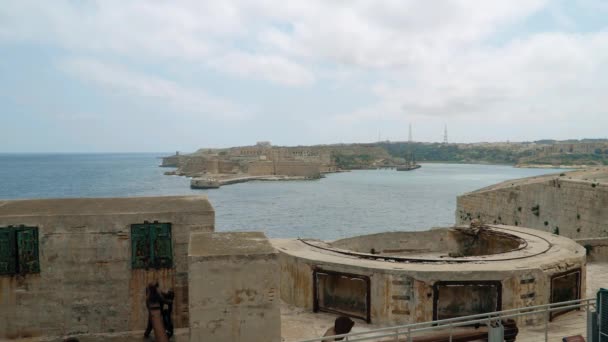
445	134
409	139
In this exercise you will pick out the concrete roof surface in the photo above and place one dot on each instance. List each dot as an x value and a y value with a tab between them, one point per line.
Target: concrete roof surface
560	248
598	175
98	206
213	244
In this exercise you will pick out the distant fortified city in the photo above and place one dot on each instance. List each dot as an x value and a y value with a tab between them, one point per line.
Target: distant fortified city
212	168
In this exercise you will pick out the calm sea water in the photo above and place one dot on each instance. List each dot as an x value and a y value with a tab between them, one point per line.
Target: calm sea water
340	205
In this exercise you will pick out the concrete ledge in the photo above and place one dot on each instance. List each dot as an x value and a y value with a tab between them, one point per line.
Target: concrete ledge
597	249
233	283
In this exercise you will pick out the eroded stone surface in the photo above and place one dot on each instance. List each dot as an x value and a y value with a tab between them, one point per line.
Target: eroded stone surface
233	283
571	204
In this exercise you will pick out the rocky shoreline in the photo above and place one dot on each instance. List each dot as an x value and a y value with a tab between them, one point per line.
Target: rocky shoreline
550	166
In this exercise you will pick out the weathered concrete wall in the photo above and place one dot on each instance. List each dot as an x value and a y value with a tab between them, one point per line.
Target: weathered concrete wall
597	249
234	279
86	284
572	208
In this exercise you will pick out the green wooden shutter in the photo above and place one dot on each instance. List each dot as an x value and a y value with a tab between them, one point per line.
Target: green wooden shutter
140	246
602	309
8	257
162	252
27	249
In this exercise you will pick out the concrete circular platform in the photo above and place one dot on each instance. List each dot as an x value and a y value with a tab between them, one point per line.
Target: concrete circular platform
406	277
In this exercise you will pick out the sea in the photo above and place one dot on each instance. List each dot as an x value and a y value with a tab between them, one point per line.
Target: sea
337	206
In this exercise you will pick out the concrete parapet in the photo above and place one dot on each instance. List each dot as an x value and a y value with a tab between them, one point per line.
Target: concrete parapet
571	204
597	249
234	280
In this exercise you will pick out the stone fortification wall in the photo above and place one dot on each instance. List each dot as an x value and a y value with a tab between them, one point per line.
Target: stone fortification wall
196	165
234	283
284	168
570	207
298	169
172	161
226	166
87	283
260	168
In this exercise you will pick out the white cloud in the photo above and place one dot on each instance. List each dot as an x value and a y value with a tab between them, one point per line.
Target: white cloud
183	100
267	67
419	59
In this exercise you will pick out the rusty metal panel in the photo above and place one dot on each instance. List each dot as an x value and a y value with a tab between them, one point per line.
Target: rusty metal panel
453	299
342	293
565	287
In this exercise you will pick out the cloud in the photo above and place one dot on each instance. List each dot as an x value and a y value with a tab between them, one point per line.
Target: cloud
184	100
546	76
267	67
417	60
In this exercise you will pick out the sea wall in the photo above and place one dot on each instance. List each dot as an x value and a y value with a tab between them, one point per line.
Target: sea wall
284	168
260	168
87	282
569	207
298	169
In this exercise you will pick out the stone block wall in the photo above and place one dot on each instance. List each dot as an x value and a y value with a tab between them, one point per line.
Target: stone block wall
86	283
572	208
298	169
234	283
260	168
225	166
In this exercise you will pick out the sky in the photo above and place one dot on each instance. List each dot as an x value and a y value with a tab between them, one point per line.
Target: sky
139	76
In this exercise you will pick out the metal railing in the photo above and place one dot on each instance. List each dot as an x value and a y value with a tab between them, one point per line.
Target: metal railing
534	323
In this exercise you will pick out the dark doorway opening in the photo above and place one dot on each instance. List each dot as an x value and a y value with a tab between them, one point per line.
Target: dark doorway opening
342	293
464	298
565	287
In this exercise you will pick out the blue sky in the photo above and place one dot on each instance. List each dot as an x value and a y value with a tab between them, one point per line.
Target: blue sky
116	76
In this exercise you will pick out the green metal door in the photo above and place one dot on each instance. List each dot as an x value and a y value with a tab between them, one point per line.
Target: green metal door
602	309
140	246
162	251
8	260
27	247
